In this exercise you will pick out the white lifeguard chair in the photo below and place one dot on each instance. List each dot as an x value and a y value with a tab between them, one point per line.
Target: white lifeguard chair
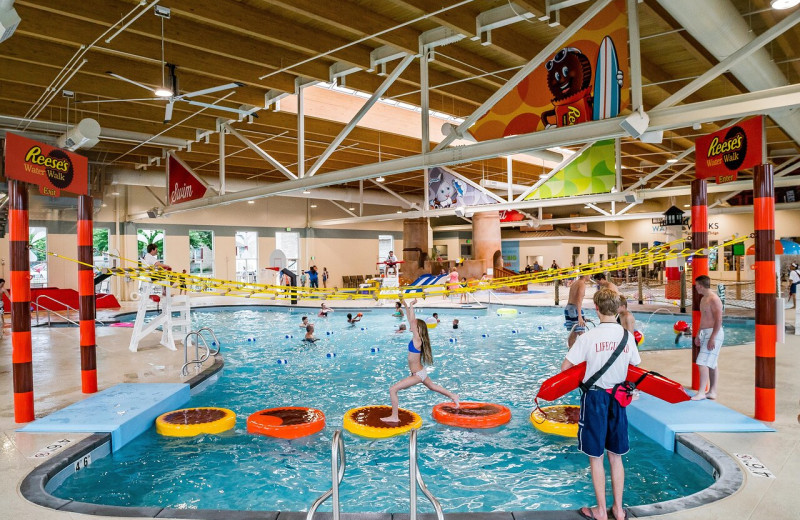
170	324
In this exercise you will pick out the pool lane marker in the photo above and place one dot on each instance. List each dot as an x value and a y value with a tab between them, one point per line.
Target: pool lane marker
753	465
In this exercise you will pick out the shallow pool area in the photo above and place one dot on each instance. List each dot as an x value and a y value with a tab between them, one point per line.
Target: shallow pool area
513	467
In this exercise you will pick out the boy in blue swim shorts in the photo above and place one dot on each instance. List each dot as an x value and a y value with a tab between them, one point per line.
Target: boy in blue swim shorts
603	423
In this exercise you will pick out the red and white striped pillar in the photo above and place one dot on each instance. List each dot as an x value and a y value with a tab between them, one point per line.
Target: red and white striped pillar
766	296
699	197
86	296
21	349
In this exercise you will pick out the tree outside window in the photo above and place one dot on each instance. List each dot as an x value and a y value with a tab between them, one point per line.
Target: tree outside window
201	253
37	238
150	236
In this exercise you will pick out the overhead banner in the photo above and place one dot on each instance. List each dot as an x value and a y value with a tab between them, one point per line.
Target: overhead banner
726	152
51	168
447	189
183	184
591	173
587	80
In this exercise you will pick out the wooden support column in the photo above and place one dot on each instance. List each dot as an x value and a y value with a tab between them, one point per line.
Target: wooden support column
22	352
766	296
86	296
699	196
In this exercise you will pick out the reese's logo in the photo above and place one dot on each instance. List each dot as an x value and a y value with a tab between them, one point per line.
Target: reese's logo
57	165
731	150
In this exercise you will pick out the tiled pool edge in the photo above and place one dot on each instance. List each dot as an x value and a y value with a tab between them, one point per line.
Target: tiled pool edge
728	479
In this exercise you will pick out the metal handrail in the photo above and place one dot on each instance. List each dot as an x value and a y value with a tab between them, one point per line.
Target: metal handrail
415	479
337	474
66	318
492	293
198	360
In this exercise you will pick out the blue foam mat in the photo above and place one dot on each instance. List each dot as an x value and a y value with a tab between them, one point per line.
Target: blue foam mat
125	411
661	420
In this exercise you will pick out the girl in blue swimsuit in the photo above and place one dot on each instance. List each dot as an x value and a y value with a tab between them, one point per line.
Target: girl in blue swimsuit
419	355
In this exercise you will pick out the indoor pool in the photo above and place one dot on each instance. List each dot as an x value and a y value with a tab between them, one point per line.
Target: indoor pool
514	467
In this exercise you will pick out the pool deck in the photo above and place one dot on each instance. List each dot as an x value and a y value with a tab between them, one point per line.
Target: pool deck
759	497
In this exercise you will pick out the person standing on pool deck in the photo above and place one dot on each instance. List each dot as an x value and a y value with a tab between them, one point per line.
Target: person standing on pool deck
573	313
313	277
3	290
709	339
603	424
325	277
794	281
419	355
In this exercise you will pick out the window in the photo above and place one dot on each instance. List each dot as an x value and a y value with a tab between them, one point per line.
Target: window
100	256
289	243
201	253
151	236
638	246
439	253
37	238
385	244
713	261
246	256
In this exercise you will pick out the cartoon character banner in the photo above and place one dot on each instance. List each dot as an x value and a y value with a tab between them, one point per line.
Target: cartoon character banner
447	189
592	172
587	80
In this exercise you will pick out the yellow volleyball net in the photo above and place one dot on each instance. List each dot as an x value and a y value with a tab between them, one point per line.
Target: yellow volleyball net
219	287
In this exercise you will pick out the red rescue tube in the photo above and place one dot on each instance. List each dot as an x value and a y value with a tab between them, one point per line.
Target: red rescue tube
653	383
472	415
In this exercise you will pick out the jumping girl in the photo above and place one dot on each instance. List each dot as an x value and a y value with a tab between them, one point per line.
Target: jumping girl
419	355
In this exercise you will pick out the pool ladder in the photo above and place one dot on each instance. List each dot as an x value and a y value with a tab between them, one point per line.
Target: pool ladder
337	474
198	359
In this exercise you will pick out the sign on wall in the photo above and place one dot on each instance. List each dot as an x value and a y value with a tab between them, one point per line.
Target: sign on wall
447	189
510	252
587	80
592	172
52	169
728	151
183	184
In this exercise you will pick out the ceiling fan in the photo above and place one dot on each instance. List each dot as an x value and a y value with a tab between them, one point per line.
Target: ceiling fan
170	92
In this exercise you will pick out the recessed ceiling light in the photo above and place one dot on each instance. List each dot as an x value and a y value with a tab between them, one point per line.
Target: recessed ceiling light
399	210
672	161
783	4
115	193
352	209
306	192
313	205
162	92
251	202
380	179
687	205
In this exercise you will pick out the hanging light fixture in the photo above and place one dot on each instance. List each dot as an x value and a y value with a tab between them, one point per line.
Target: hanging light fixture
163	91
783	4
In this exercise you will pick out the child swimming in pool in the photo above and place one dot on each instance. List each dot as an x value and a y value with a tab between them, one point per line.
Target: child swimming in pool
398	310
324	310
419	355
401	328
310	338
352	320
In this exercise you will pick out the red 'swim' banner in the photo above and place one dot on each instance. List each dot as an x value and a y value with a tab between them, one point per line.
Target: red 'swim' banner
52	169
182	183
728	151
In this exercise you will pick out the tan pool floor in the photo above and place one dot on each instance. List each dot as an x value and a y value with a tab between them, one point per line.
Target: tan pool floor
56	362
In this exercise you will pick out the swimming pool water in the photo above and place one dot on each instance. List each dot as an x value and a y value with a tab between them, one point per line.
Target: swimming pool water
514	467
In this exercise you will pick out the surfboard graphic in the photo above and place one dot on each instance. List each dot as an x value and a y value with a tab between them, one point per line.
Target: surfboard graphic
606	88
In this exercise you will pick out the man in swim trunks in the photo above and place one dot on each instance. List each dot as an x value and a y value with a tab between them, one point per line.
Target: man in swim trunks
600	278
603	423
391	262
305	323
709	339
573	314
